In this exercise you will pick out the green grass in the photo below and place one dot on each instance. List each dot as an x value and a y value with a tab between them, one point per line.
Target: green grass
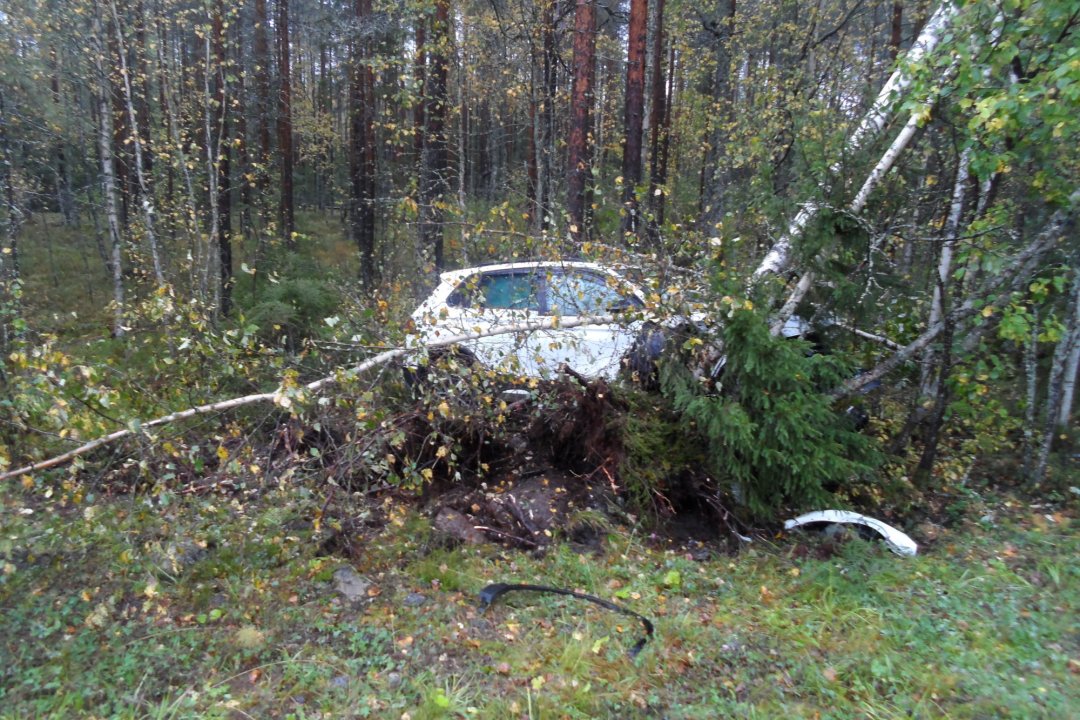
209	608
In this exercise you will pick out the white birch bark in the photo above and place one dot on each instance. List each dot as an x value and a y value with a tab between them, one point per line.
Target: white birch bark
108	179
1031	380
929	384
857	205
145	200
1072	366
779	256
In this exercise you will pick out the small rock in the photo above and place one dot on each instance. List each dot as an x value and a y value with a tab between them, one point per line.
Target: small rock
340	681
929	531
457	526
414	600
351	584
393	679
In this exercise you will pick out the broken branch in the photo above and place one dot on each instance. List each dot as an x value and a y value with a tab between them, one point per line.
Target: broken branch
280	395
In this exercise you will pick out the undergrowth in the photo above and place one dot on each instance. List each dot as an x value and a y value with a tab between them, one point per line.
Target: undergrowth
211	607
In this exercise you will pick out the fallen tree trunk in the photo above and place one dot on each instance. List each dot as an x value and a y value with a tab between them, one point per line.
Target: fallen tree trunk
779	256
283	396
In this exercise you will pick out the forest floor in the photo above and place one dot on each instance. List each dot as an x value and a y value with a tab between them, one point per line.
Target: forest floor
277	604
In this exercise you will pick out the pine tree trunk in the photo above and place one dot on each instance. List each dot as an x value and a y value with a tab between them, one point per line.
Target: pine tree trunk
896	29
659	124
715	173
65	199
546	137
579	158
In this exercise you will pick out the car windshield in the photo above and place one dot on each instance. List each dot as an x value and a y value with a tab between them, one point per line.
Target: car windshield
584	293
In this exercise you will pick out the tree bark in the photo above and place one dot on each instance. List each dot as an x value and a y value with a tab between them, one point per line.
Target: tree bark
1057	411
545	137
286	210
634	111
660	126
108	179
224	165
362	161
262	112
777	260
715	173
579	158
435	180
931	378
896	29
420	80
146	199
65	198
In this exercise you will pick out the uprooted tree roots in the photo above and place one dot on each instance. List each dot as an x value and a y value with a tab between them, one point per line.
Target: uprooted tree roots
560	460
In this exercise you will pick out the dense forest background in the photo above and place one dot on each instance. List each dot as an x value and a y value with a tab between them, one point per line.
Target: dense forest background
202	198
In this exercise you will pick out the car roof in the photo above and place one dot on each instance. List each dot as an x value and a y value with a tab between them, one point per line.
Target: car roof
453	275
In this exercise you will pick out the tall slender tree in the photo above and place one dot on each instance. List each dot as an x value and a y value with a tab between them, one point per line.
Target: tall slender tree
224	162
362	145
579	157
286	208
634	113
435	180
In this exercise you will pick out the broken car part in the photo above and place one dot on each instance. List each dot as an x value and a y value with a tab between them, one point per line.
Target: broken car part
492	592
896	541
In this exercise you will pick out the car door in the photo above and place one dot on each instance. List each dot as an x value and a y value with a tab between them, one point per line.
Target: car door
595	349
489	300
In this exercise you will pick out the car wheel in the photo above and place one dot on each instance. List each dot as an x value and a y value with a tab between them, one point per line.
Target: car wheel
640	362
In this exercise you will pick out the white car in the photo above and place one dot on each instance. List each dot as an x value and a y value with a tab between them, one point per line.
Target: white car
481	299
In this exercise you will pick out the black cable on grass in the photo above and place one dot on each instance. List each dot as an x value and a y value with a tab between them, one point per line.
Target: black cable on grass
493	592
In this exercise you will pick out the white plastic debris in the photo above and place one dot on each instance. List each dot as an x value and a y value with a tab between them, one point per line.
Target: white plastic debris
897	541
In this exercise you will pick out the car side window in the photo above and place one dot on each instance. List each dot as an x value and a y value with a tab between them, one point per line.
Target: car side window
585	293
498	291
